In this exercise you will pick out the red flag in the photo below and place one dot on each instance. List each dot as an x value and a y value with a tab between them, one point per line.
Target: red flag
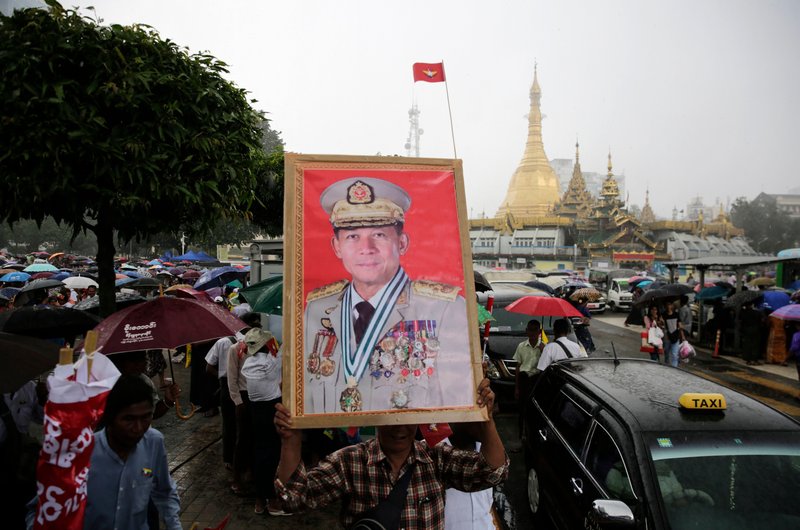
429	72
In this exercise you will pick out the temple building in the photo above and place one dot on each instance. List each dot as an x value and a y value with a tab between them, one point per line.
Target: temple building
537	227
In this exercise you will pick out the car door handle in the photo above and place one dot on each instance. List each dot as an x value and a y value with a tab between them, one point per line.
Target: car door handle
543	434
577	486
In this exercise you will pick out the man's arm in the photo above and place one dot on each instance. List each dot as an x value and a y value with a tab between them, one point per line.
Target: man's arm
491	446
233	375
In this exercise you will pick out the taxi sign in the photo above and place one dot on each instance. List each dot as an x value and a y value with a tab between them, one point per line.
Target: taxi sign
701	401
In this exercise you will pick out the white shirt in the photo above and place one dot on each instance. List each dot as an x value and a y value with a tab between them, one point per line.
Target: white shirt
218	356
24	407
241	309
553	352
468	511
263	374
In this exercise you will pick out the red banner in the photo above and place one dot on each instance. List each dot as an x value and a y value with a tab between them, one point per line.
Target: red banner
71	414
429	72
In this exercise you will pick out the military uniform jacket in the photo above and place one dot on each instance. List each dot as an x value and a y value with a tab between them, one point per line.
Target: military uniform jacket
421	360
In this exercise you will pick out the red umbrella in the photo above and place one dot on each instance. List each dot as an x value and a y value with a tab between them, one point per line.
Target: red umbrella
165	323
190	293
543	306
41	275
191	274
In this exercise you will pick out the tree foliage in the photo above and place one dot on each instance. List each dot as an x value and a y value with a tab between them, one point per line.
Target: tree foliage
768	229
114	129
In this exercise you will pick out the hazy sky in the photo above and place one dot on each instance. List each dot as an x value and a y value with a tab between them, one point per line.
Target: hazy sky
692	97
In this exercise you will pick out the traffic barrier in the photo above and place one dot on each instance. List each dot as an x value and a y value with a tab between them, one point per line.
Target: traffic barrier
715	355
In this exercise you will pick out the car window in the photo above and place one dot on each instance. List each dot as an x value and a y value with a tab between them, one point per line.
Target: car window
571	420
604	462
545	390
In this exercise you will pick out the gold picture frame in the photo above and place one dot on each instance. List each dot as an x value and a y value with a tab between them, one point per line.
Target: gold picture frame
436	222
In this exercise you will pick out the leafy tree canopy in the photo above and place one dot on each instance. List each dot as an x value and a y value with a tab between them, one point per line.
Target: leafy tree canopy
112	128
768	229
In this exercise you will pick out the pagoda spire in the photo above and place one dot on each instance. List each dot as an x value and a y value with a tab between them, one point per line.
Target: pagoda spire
577	201
647	215
534	187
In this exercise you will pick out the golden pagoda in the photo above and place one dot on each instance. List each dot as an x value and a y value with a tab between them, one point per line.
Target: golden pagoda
534	189
577	201
647	216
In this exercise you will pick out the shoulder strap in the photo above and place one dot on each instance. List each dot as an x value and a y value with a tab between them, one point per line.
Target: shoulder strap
398	493
566	350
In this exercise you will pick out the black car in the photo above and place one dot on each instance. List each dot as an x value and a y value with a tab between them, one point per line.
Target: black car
636	444
505	334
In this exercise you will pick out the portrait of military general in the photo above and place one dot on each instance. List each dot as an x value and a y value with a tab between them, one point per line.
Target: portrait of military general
385	333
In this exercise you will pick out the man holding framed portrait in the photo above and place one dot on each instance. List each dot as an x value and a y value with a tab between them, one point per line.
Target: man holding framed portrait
386	327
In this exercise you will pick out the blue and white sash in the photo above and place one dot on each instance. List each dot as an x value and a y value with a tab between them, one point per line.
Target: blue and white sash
356	362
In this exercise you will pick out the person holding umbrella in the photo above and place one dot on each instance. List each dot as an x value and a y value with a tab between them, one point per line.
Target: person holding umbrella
653	320
560	348
582	332
672	335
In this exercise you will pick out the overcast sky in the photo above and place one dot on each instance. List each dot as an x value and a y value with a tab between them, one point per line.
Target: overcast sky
692	97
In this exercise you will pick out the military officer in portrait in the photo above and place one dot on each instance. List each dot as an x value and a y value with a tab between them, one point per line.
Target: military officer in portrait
380	340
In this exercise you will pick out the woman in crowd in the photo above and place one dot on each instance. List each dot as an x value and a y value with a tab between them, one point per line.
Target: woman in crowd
672	335
582	332
653	320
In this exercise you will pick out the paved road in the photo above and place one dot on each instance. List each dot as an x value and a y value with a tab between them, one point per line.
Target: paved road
194	446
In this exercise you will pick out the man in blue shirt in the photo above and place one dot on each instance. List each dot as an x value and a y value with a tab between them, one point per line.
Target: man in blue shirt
129	464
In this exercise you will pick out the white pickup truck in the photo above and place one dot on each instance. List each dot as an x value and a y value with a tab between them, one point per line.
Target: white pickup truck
618	296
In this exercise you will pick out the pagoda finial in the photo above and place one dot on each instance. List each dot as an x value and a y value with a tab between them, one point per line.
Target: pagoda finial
577	151
610	173
647	195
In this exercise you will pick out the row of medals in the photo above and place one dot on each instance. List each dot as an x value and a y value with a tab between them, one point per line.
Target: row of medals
408	350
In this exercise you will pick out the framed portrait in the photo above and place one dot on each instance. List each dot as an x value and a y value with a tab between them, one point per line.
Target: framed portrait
380	318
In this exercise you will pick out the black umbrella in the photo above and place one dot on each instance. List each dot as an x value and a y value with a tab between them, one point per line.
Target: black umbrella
742	297
536	284
24	295
143	283
47	321
22	359
481	284
654	296
677	289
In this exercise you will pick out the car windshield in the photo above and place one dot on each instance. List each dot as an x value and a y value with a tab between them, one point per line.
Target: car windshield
719	480
510	323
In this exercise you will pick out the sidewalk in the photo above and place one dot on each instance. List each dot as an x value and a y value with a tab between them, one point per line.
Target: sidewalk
788	372
194	452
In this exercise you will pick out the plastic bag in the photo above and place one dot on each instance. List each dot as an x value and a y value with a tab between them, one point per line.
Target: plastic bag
686	350
654	335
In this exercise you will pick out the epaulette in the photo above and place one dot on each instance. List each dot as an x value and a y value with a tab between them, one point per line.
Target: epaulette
327	290
441	291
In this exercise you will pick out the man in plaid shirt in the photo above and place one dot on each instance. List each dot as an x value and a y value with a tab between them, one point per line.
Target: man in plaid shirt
365	473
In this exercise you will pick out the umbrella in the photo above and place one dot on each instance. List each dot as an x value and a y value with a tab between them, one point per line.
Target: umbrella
23	297
191	275
654	296
78	394
794	286
633	280
265	296
217	277
9	292
60	276
543	306
742	297
712	293
41	267
640	282
14	266
123	300
589	293
677	289
22	359
481	284
6	271
40	254
203	296
15	277
126	281
787	312
165	323
774	300
42	275
54	256
47	321
132	274
80	282
536	284
758	282
553	281
128	267
144	283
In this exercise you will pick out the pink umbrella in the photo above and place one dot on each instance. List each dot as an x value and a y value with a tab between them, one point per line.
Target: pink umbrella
787	312
543	306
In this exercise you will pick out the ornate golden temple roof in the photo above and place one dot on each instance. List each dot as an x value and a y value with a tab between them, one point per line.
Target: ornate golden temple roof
577	201
534	189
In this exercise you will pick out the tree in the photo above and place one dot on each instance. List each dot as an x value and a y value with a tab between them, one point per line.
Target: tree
768	229
114	129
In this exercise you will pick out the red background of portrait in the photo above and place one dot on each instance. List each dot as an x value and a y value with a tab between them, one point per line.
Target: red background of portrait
431	223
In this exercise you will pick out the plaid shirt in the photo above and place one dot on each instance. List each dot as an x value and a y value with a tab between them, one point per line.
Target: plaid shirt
362	474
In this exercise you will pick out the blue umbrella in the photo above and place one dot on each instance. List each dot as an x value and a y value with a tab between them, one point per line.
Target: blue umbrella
794	286
774	300
712	293
217	278
15	277
41	267
131	274
8	293
60	276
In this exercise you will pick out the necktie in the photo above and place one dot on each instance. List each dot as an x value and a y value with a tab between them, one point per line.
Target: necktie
365	312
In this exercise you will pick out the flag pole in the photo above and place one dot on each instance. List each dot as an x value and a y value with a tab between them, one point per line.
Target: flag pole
450	112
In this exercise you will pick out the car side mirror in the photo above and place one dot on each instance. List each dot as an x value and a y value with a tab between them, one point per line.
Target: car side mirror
607	513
